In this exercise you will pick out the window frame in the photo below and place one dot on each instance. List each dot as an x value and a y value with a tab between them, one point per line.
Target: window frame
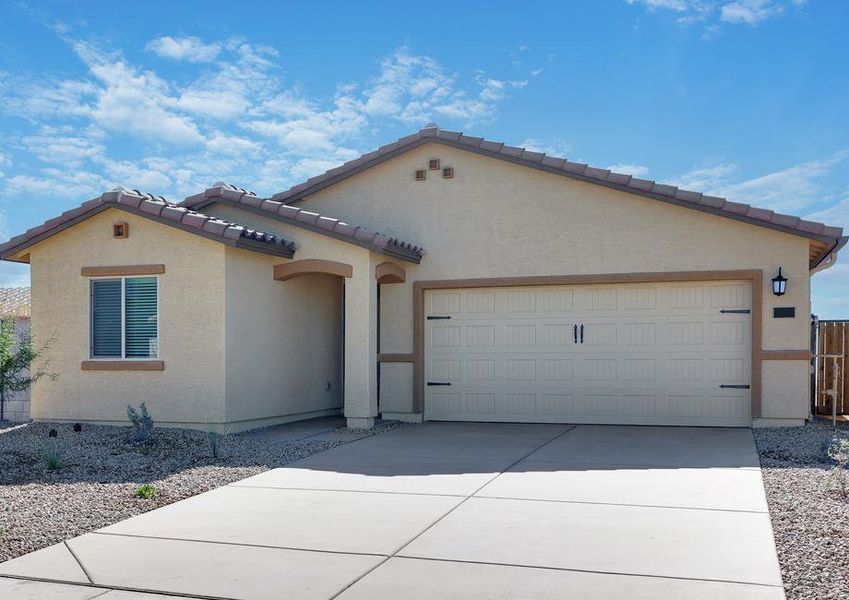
123	357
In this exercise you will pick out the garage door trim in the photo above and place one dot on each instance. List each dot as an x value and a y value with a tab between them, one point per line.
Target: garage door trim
755	276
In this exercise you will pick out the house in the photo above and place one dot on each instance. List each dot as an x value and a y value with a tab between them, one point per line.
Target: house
15	303
440	277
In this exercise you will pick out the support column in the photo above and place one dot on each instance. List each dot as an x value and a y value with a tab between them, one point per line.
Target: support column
361	346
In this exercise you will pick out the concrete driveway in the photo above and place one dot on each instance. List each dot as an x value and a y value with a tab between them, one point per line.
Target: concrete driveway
451	511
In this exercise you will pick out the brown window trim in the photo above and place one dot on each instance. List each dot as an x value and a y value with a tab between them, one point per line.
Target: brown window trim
786	355
122	270
395	358
122	365
755	276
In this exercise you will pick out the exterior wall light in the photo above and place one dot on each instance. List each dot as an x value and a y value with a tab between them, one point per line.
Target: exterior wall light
779	284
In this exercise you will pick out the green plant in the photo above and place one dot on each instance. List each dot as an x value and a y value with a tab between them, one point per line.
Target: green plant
53	457
17	355
142	422
838	451
146	491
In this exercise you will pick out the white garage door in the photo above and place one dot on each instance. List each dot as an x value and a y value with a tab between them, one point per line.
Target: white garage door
661	353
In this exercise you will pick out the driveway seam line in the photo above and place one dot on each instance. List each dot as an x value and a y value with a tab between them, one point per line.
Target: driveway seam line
523	566
731	510
458	505
306	489
78	561
116	588
240	544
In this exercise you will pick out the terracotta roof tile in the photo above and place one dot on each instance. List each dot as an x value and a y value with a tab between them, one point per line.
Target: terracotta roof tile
160	210
302	218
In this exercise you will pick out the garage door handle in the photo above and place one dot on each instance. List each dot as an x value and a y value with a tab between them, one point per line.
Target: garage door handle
582	333
575	332
438	383
736	387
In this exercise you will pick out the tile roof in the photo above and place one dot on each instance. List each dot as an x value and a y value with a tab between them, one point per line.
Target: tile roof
355	234
580	171
15	301
160	210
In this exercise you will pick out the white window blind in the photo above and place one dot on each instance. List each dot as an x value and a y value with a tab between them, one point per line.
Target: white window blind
124	318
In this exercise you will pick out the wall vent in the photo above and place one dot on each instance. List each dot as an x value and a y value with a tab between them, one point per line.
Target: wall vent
421	175
448	172
121	230
433	164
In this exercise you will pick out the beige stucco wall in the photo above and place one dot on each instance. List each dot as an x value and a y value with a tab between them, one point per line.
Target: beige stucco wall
190	391
496	219
360	299
283	342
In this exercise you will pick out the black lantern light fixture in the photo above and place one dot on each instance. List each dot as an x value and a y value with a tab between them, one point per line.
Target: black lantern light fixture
779	284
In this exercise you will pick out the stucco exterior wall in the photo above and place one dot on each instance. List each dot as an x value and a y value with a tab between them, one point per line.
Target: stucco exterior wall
283	343
190	390
360	300
495	219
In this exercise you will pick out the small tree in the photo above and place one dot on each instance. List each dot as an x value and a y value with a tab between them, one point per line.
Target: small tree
17	355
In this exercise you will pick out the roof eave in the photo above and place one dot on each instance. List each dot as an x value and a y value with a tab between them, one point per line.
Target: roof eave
204	201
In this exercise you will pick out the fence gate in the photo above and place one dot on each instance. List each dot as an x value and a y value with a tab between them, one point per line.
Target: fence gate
832	352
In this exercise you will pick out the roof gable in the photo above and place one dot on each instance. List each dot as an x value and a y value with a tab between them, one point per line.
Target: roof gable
828	236
157	209
335	228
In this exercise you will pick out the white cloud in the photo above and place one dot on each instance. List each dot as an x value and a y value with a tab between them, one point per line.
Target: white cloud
797	189
556	148
125	124
793	189
633	170
676	5
190	49
704	177
749	12
417	89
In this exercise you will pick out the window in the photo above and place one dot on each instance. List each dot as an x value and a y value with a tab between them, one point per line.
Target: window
125	318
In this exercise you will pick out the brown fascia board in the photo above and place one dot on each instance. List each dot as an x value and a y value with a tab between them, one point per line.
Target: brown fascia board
248	202
15	245
578	171
837	247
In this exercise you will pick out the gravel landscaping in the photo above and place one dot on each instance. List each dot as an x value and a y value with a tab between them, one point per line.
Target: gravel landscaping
101	468
810	521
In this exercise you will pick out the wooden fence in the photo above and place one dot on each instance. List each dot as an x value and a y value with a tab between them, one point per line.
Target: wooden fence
832	352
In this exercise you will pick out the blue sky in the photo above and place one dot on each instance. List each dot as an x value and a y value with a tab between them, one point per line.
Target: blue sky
746	99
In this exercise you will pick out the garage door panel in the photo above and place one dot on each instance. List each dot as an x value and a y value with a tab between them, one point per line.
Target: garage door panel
651	354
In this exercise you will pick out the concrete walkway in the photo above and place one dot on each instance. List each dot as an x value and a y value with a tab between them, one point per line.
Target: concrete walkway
450	511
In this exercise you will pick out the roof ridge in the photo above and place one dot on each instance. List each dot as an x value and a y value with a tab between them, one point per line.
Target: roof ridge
622	181
320	223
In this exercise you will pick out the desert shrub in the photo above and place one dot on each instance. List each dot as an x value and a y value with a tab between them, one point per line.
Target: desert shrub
146	491
53	457
142	422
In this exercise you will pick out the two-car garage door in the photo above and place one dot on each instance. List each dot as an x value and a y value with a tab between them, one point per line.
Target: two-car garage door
655	353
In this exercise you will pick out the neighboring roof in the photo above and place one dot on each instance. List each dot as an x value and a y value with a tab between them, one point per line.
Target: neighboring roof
15	301
354	234
159	210
830	236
